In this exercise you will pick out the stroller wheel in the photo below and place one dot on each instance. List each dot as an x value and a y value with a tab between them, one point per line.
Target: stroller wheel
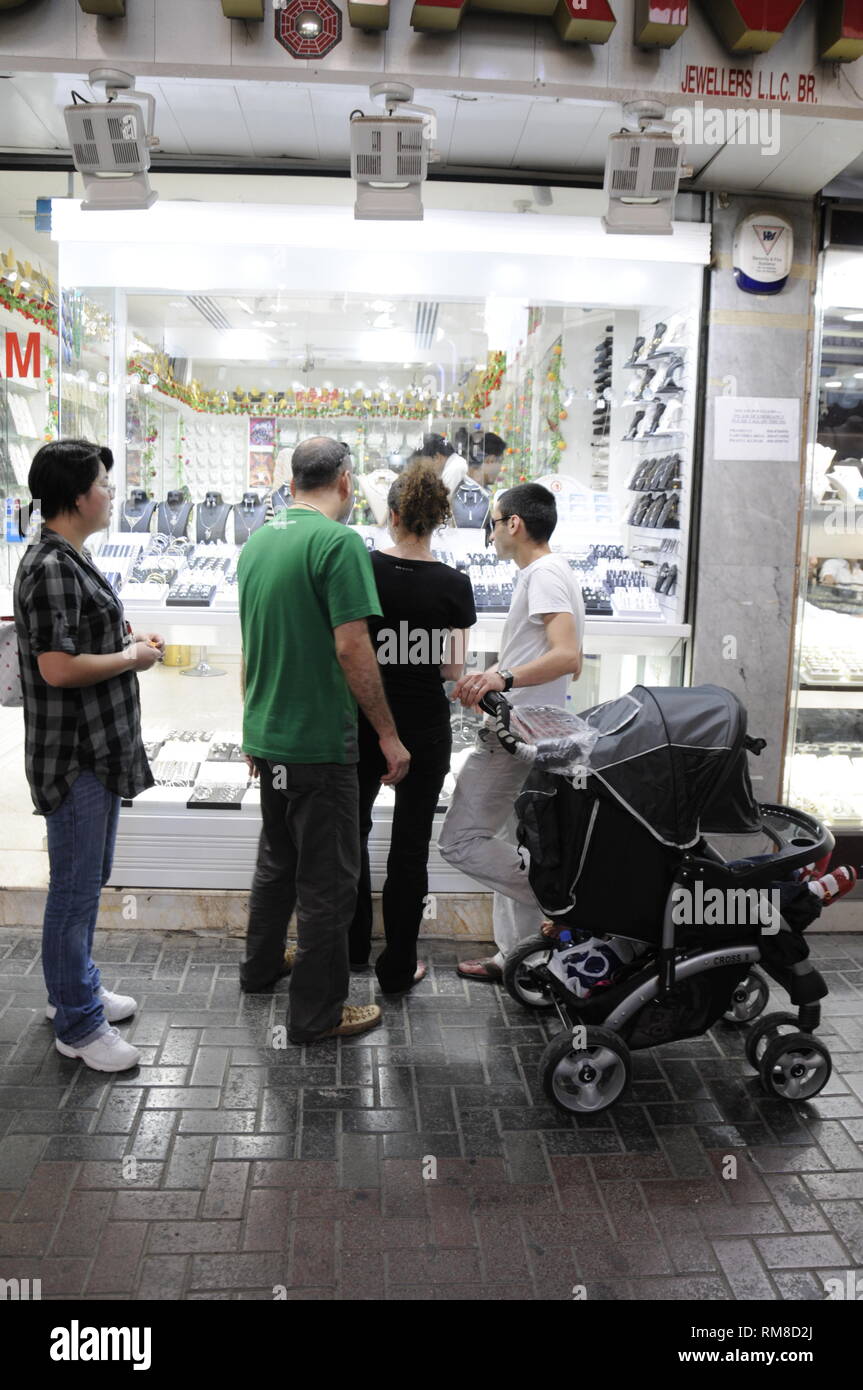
518	974
764	1032
582	1080
795	1067
749	998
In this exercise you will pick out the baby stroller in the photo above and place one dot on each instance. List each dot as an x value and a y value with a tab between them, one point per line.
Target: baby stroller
613	818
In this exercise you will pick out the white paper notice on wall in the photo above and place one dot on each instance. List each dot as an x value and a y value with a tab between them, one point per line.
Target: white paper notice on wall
755	428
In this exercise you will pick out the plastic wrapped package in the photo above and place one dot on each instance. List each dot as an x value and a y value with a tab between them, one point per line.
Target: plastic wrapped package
554	739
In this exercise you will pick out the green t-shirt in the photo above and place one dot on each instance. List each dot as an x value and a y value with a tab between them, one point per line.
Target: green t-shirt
299	577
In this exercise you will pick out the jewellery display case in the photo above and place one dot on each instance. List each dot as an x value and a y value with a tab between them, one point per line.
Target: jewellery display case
824	769
213	403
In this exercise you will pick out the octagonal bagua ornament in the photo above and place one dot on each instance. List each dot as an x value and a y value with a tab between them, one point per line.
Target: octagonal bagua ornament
309	28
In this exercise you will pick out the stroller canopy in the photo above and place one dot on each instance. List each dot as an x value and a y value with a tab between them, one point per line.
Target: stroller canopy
676	759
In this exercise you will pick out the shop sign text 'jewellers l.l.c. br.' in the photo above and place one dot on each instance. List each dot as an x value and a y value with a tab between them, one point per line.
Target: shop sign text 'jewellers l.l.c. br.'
744	26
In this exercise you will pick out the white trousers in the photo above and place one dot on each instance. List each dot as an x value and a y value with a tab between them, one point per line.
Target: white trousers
478	838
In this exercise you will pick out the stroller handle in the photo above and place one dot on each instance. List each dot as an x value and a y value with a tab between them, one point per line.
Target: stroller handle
500	709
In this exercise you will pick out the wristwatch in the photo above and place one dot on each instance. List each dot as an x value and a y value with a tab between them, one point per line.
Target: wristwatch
508	679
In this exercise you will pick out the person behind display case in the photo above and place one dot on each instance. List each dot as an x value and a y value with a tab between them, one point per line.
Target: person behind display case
437	454
307	663
485	460
421	642
82	735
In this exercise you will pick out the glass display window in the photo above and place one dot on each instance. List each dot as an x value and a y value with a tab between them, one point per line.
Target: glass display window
824	768
228	335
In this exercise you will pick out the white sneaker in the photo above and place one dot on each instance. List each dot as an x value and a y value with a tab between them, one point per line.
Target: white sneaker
116	1006
109	1052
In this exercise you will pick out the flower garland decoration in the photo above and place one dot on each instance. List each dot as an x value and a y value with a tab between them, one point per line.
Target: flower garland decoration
555	412
180	459
52	424
522	469
309	404
38	311
148	454
490	381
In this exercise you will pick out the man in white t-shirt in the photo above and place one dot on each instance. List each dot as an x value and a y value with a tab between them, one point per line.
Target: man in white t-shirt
541	650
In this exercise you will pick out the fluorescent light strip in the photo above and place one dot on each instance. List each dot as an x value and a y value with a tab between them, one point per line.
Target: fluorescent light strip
334	228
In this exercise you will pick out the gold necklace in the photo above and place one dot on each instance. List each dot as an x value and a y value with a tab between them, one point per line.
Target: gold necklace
309	504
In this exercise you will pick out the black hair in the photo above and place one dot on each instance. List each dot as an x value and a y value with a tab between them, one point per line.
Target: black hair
420	498
317	463
432	445
534	504
63	470
493	444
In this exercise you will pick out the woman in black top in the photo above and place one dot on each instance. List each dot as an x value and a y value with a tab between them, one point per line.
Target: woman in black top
420	643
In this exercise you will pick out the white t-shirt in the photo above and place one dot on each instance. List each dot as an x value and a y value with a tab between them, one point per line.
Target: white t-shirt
546	586
454	472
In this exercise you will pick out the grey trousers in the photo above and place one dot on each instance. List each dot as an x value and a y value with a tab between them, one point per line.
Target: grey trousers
308	858
478	837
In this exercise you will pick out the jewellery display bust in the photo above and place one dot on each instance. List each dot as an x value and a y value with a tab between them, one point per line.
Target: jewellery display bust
281	498
375	487
137	513
470	504
249	515
173	516
211	518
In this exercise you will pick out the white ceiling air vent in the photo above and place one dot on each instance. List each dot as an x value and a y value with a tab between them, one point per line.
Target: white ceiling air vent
642	173
110	143
426	324
389	158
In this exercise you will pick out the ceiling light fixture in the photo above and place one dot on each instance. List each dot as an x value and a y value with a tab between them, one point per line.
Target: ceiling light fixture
834	382
853	318
643	167
111	143
390	155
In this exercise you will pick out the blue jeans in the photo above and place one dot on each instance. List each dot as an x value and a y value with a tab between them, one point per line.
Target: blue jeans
81	837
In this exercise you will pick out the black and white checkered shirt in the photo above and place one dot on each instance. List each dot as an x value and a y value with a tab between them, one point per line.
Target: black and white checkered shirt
64	604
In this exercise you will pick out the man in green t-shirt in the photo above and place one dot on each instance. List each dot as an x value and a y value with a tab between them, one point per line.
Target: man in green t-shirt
306	591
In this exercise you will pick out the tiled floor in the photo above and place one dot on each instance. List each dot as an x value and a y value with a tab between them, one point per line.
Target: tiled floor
419	1161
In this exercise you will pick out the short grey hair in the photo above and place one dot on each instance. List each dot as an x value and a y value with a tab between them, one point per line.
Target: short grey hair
317	463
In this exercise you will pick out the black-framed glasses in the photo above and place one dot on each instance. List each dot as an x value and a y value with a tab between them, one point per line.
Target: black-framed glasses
496	519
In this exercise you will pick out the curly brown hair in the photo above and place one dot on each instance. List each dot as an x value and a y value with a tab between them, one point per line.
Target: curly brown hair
420	498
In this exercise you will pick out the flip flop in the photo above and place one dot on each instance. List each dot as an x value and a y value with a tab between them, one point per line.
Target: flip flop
486	970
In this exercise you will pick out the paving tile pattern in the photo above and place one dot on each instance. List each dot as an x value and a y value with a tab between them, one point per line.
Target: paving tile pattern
418	1162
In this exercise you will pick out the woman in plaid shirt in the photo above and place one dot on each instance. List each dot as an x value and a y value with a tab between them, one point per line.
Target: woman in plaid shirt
82	724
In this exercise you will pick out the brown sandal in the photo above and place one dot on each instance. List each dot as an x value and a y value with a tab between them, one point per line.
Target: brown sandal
485	970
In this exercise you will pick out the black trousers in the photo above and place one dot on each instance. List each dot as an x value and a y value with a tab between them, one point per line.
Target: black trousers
308	858
406	886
